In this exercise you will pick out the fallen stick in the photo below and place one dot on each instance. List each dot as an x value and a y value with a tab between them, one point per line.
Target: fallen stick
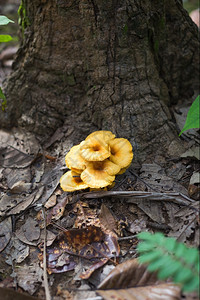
178	198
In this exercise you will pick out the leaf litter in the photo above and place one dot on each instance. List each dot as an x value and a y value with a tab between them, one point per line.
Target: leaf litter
87	233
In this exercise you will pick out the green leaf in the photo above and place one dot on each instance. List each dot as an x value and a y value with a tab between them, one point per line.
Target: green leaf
193	116
150	256
192	285
170	244
170	259
2	96
158	263
146	236
4	20
146	246
183	276
5	38
169	269
192	256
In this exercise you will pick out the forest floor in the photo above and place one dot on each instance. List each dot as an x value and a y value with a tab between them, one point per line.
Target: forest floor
161	196
44	230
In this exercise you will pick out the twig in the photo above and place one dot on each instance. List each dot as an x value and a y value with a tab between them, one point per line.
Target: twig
130	237
141	195
138	177
46	285
94	298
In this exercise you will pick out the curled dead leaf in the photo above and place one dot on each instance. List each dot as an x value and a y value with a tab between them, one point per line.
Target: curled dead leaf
131	281
167	291
128	274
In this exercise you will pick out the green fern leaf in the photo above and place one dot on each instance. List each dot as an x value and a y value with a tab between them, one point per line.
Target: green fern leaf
170	259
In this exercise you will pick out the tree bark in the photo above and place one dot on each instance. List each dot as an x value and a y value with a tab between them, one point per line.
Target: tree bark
112	65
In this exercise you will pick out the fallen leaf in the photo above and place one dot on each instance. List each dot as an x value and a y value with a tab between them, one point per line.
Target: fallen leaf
78	238
128	274
21	187
50	180
182	221
25	202
57	211
16	251
5	232
167	291
90	243
194	191
29	276
131	281
195	179
107	219
85	216
31	230
9	294
11	157
193	152
58	261
50	202
14	203
91	269
15	176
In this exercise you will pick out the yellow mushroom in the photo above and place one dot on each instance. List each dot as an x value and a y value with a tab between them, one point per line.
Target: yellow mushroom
74	160
99	174
71	181
94	149
101	135
123	170
121	152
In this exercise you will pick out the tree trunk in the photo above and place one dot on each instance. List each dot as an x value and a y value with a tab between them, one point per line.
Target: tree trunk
112	65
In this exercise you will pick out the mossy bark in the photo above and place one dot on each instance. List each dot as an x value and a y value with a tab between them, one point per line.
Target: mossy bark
112	65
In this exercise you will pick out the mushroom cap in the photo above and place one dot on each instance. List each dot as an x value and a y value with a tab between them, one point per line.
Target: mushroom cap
123	170
104	135
74	160
99	174
121	152
71	181
78	171
94	149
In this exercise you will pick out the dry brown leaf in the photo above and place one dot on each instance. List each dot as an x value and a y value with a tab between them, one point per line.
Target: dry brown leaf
50	202
20	139
5	232
183	221
128	274
15	176
12	157
16	251
56	212
131	281
29	276
194	191
107	219
85	215
31	230
21	236
79	238
11	294
26	201
167	291
86	274
50	180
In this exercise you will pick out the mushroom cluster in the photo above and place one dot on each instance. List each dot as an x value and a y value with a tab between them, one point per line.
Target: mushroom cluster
96	161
